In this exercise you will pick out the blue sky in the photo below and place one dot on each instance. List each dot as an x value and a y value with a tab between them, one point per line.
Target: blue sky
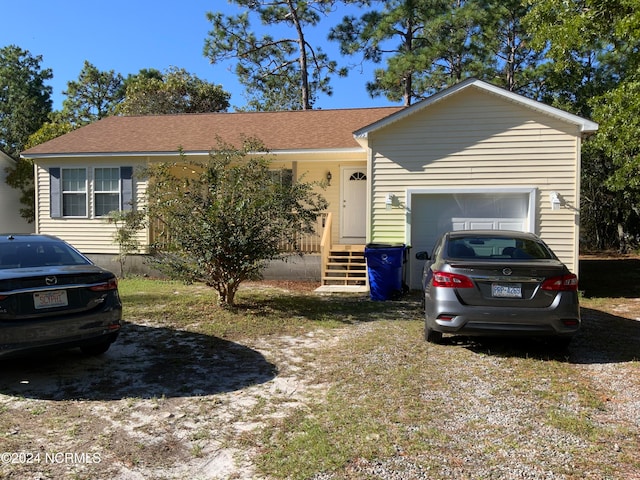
126	36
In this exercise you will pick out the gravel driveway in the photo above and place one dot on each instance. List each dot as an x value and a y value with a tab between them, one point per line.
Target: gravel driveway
163	404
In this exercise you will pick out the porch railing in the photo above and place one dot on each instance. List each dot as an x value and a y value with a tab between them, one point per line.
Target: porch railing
308	242
303	242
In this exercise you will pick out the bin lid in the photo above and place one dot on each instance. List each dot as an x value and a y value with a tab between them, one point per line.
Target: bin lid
385	245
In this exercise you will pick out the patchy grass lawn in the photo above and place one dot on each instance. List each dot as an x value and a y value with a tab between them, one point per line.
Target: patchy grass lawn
294	385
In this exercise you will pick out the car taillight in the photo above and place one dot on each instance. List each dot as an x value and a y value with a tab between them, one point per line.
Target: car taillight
563	283
2	297
451	280
111	284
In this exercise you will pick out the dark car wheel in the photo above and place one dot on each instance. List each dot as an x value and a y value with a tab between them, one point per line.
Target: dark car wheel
432	336
96	348
560	343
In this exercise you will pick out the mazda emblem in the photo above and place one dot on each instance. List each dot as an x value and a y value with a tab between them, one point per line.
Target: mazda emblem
51	280
507	271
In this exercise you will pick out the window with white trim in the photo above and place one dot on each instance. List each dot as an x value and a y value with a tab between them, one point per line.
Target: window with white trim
111	189
106	190
74	192
283	177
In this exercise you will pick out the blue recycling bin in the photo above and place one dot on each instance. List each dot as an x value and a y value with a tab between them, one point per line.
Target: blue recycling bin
385	264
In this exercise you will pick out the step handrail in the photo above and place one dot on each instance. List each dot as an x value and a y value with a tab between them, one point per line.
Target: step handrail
325	245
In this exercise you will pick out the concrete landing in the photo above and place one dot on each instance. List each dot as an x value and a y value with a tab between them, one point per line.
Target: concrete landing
342	289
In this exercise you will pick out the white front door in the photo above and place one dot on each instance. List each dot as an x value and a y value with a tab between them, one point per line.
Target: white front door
354	197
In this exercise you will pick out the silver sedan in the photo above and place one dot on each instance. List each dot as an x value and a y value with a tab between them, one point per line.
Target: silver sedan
492	282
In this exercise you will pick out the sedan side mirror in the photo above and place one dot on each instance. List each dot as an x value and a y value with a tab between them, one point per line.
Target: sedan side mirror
422	256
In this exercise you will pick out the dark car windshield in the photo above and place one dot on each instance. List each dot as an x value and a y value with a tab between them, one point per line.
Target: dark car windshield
499	247
21	254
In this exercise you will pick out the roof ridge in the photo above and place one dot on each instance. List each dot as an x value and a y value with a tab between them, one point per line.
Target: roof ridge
241	112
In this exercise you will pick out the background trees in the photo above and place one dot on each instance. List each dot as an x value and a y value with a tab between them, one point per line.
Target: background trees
580	56
95	95
594	70
175	91
25	100
428	45
279	73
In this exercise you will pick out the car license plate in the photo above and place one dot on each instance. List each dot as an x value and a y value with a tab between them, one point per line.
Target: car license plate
54	298
506	291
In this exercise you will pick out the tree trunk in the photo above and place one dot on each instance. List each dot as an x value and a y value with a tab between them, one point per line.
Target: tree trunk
227	293
304	72
622	243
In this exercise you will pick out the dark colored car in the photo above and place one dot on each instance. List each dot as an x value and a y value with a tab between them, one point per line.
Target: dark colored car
492	282
53	297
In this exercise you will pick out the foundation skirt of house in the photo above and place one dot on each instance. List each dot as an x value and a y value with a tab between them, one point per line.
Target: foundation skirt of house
293	268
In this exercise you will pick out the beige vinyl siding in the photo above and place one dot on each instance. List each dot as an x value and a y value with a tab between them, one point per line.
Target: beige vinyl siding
10	219
89	235
478	140
313	167
95	235
317	171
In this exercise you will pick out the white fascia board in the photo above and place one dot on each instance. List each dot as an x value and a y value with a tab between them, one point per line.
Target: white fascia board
586	126
103	155
322	151
189	153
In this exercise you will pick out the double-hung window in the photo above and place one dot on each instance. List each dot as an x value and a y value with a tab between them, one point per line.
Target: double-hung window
109	188
106	190
74	192
282	177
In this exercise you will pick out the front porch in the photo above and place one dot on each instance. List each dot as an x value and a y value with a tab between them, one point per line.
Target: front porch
343	267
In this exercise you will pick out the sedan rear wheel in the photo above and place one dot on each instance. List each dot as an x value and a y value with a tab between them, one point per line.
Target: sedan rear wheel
560	343
432	336
96	348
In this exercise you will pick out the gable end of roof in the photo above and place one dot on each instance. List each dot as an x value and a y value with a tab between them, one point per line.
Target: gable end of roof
585	126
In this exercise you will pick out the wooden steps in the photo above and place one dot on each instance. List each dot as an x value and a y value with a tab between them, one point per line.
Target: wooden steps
346	266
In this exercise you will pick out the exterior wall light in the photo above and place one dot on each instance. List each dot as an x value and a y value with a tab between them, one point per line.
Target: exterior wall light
554	198
329	177
388	201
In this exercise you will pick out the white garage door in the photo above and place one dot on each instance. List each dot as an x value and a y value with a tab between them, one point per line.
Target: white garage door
435	213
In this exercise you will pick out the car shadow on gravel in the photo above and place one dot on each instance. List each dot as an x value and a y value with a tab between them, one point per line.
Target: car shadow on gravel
603	338
145	362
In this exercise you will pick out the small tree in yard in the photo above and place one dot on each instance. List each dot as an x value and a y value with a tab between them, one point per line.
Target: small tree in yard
225	217
127	223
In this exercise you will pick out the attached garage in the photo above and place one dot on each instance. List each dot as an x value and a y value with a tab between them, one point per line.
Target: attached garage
474	156
436	211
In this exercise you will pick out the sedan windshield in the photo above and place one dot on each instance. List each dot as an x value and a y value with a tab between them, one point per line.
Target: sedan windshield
487	248
22	254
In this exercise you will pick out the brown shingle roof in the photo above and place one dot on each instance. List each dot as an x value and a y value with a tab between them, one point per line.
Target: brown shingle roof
293	130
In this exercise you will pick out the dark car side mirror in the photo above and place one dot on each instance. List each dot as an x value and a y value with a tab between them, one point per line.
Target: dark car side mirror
422	256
